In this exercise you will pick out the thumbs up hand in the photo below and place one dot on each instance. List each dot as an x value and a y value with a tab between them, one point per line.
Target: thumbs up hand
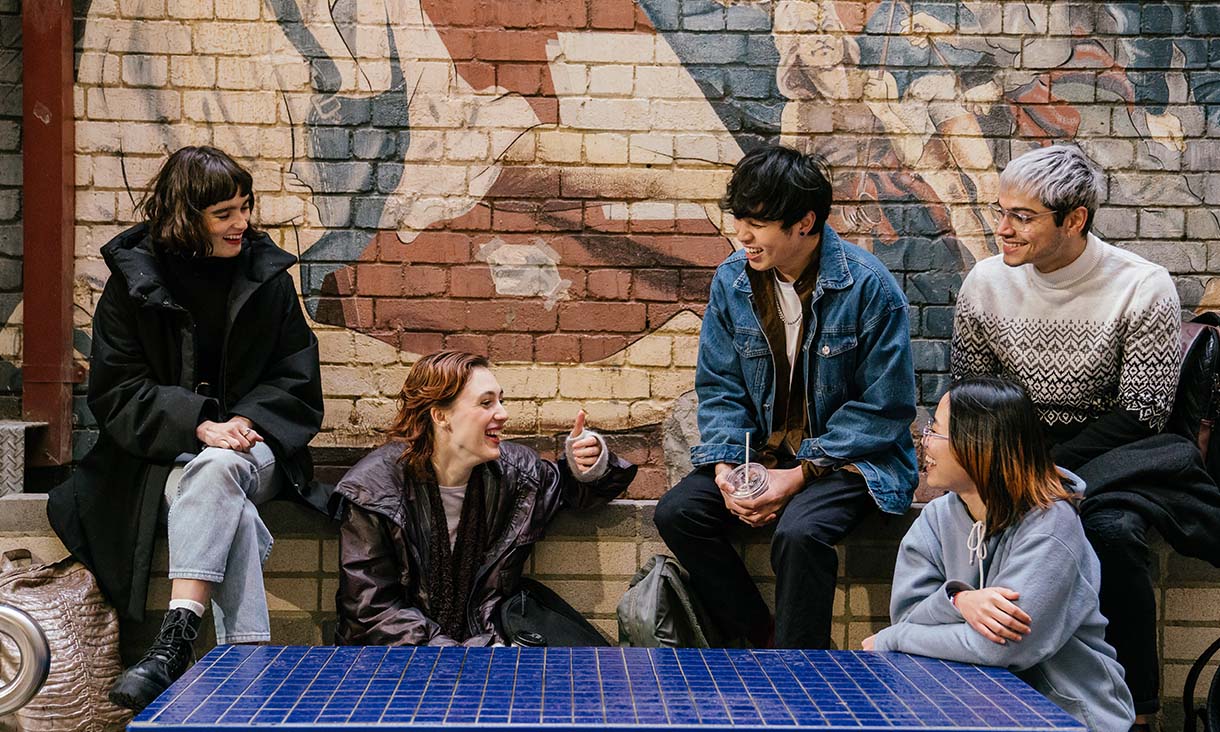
584	448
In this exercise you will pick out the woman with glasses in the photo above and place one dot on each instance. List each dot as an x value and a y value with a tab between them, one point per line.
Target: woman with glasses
998	571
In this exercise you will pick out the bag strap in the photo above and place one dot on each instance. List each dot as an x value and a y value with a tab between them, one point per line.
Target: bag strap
14	558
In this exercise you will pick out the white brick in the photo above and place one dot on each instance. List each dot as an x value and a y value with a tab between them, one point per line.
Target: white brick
192	71
611	80
558	146
612	48
140	70
606	148
149	9
236	39
146	37
134	104
238	9
242	73
241	107
657	149
95	206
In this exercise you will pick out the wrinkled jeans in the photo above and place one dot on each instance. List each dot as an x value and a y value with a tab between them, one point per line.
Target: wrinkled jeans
216	535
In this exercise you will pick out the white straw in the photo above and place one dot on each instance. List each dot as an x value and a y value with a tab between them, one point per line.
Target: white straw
747	457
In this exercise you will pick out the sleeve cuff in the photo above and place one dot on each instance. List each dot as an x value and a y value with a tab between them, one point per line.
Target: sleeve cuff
599	469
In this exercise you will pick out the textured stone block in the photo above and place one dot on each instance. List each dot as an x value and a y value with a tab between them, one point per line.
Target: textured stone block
587	558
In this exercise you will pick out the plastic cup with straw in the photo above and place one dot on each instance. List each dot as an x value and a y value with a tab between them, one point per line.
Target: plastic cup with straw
749	480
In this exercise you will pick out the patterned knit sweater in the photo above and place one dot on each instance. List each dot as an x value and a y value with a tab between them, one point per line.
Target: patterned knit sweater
1097	335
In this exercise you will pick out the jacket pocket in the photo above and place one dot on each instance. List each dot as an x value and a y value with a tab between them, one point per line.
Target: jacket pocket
834	355
755	354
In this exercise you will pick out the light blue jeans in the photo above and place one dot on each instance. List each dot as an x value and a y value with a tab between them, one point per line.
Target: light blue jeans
216	535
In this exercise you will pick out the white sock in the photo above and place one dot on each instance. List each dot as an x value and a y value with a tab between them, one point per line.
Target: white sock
191	605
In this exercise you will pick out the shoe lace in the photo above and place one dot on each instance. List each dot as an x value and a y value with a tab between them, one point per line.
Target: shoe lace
176	631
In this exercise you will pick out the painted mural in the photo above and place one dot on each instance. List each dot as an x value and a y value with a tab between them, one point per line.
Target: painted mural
538	180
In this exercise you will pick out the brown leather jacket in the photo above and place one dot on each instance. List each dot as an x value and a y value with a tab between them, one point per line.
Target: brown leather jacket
383	547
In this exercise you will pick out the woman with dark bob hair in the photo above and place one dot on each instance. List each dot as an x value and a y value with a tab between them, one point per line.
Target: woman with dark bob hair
998	571
438	523
205	384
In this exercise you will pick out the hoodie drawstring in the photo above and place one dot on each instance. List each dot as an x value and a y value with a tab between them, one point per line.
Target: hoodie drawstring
977	545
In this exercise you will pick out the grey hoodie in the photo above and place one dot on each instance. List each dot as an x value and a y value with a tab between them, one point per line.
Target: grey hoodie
1045	558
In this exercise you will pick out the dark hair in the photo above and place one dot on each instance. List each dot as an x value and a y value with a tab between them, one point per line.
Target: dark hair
192	179
434	381
995	433
777	183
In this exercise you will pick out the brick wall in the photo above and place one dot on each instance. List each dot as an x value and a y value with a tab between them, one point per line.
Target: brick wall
588	559
538	181
10	208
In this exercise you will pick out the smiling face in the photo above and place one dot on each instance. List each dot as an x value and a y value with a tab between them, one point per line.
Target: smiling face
1041	242
226	222
941	468
769	245
468	430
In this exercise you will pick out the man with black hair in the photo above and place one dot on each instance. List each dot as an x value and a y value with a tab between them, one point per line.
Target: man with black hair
805	345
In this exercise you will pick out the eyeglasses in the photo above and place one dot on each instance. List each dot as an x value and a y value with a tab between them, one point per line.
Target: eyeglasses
921	450
1019	219
927	431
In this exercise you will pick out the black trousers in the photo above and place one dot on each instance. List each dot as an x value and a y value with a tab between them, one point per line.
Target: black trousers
1128	598
696	525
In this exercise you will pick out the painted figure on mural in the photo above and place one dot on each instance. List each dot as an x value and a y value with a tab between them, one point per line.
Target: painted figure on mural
469	101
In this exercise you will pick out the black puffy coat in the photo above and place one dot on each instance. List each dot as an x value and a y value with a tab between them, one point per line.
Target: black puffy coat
142	393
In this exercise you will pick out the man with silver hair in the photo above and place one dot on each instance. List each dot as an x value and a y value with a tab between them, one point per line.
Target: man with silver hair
1092	331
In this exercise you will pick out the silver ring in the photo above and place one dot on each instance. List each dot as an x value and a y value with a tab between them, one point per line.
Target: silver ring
245	432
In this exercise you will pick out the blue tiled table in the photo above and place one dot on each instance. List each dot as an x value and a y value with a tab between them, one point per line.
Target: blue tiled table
637	689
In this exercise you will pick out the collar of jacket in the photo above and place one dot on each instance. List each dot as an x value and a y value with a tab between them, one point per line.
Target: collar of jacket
832	265
130	255
381	485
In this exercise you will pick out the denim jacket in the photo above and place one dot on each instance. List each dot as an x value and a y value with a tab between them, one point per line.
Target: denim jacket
858	372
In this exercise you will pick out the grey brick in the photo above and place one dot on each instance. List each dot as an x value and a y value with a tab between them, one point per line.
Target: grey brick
932	288
330	143
10	240
1202	224
10	274
1162	223
747	18
712	19
938	322
1190	291
1203	19
711	49
374	143
10	205
932	387
751	83
367	212
1173	256
1162	19
930	355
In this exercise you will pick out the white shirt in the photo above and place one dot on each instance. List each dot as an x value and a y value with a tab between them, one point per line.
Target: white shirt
790	303
452	497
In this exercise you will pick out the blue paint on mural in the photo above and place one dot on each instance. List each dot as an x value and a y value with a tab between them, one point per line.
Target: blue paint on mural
345	136
731	55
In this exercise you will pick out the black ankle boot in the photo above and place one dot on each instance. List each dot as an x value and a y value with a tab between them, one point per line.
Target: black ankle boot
168	658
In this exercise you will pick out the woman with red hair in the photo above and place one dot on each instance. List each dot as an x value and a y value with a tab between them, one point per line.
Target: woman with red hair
439	522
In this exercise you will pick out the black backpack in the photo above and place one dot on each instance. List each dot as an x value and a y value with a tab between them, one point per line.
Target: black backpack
1197	404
